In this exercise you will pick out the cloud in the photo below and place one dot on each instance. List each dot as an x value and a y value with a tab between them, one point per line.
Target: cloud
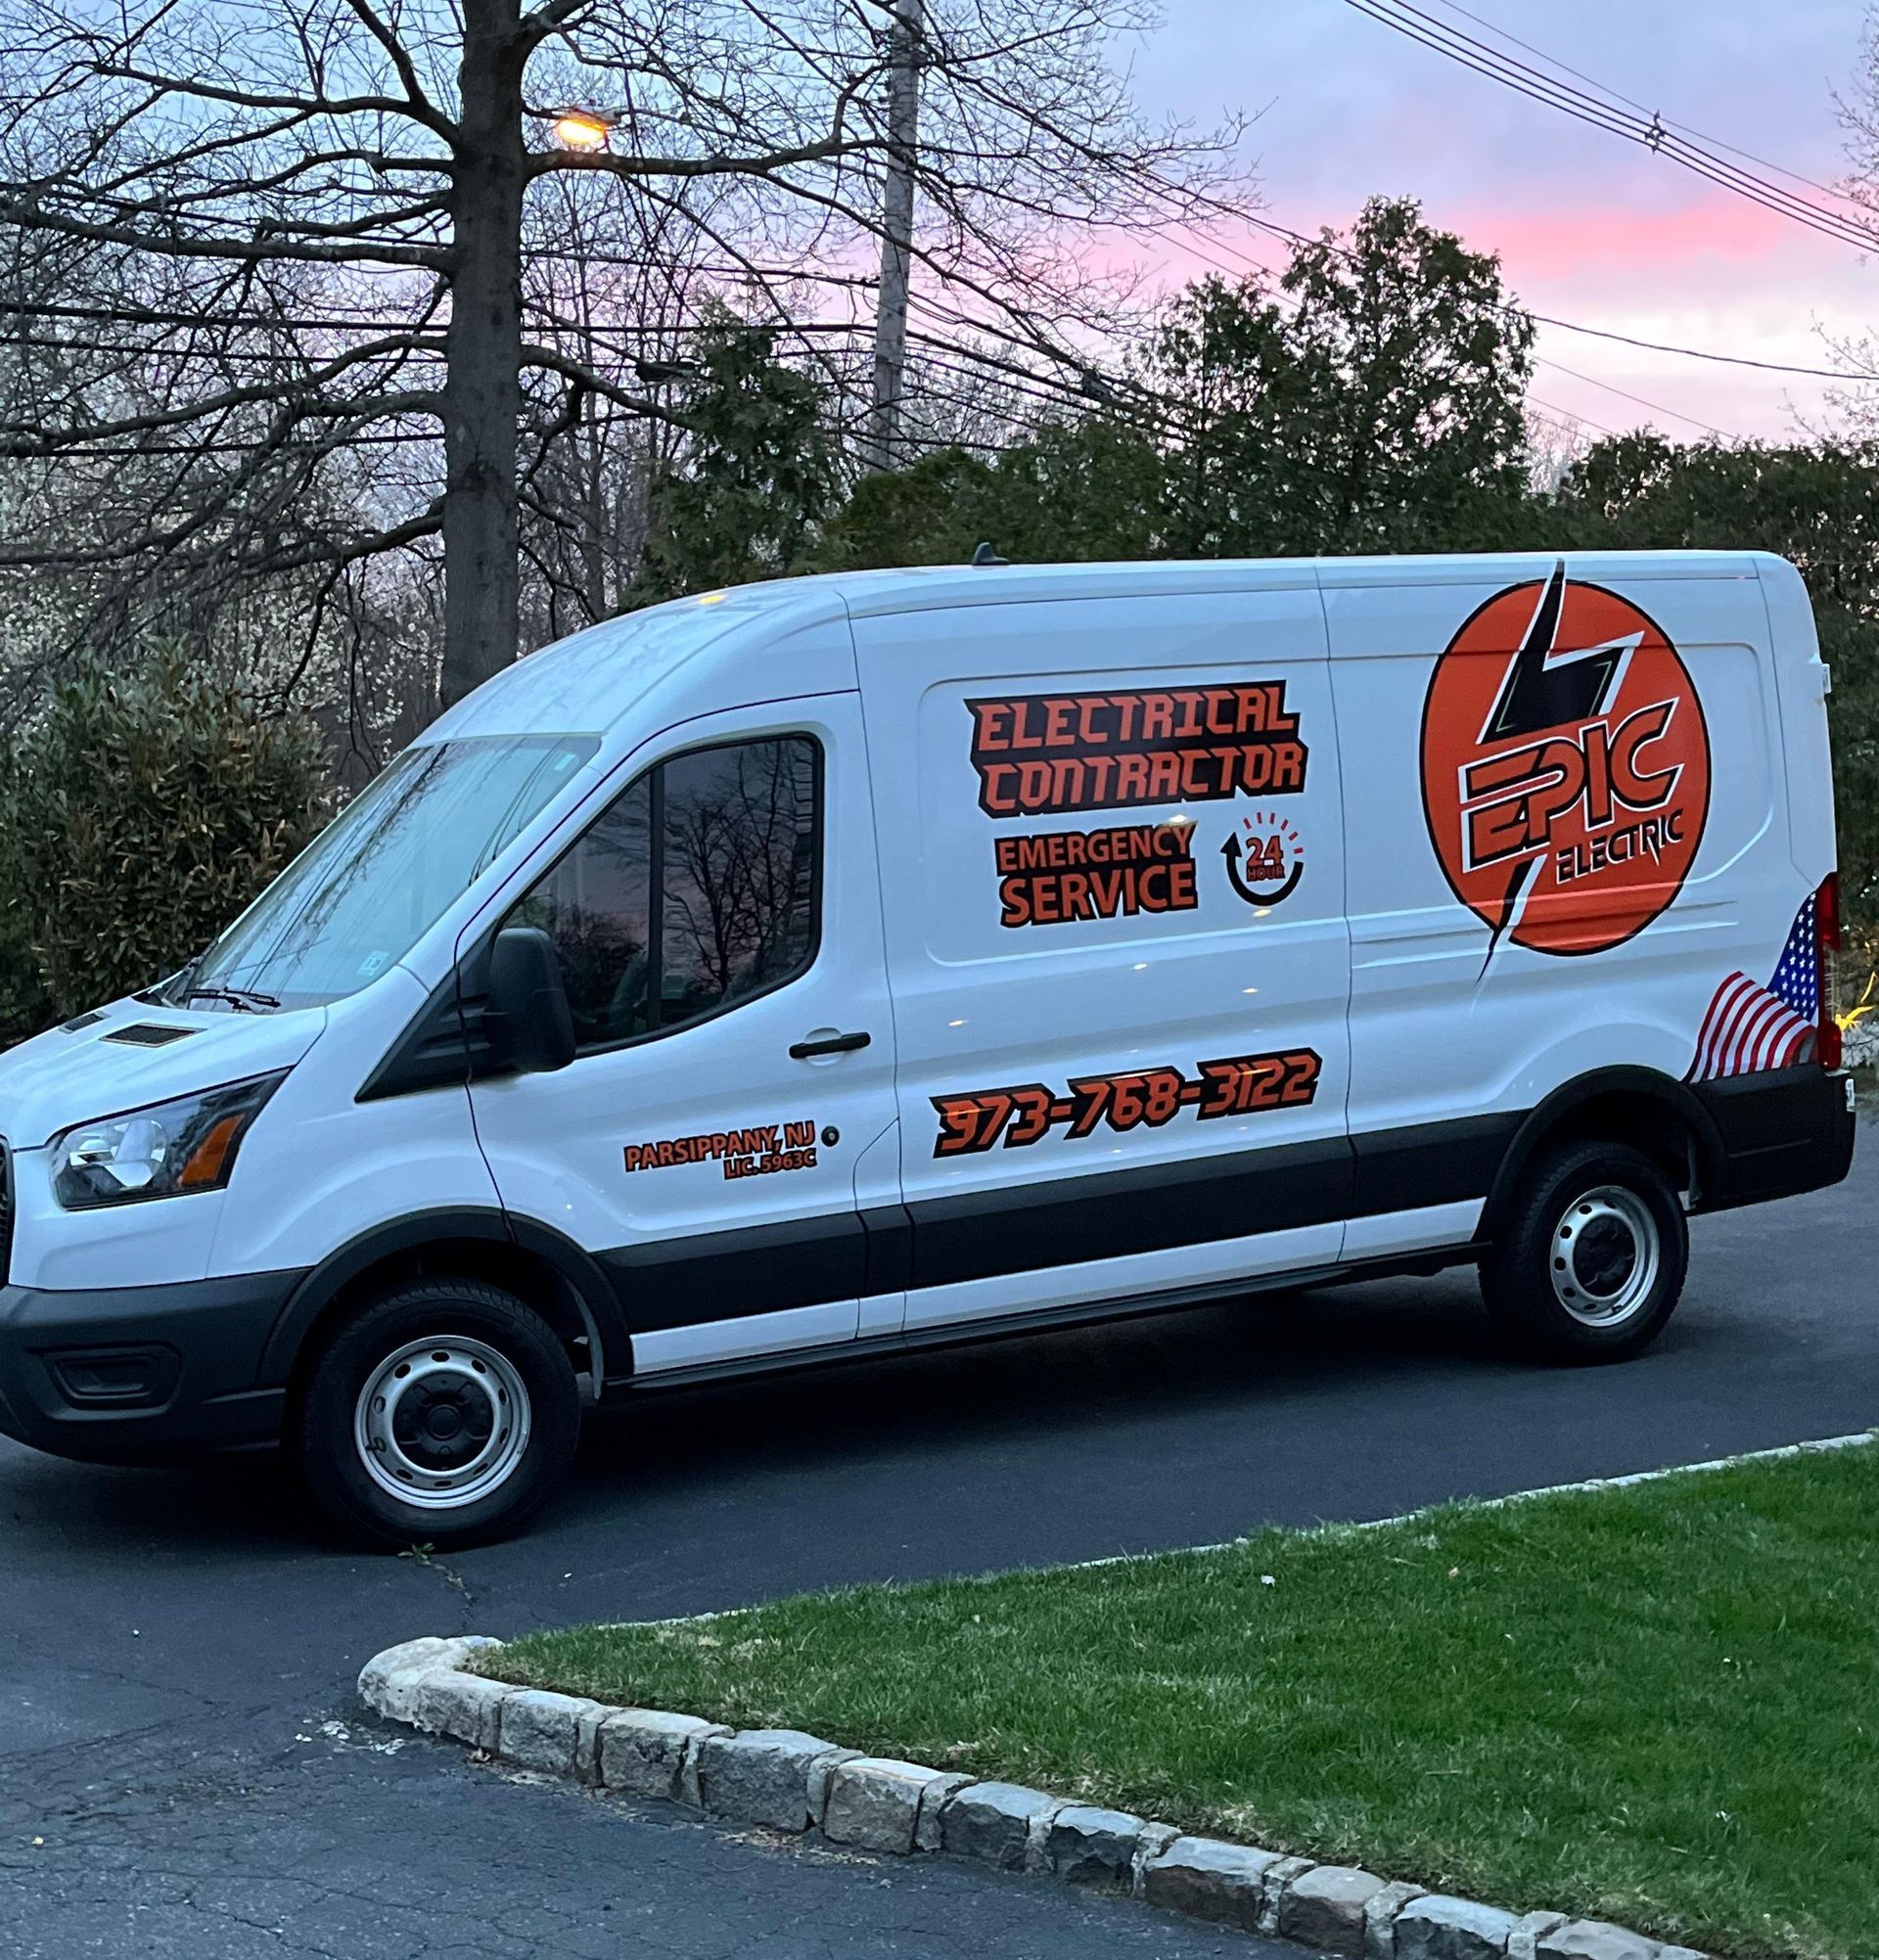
1589	227
1609	240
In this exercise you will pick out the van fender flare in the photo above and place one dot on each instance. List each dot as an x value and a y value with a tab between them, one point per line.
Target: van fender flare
1618	1083
592	1292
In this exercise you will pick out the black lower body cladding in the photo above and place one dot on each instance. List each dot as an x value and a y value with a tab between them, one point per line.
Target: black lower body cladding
1783	1132
155	1374
141	1374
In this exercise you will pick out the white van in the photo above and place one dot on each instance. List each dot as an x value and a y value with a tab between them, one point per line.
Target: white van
834	967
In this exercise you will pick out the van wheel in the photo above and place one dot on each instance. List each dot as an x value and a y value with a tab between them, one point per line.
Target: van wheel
445	1413
1591	1258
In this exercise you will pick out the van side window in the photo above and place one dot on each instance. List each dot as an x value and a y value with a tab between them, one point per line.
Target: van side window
696	889
596	904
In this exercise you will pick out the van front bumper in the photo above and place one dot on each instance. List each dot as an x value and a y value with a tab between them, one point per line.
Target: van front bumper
141	1374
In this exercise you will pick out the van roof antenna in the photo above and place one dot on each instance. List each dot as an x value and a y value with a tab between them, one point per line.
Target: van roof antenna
986	556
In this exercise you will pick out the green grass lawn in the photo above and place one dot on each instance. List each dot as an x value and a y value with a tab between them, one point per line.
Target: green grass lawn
1657	1705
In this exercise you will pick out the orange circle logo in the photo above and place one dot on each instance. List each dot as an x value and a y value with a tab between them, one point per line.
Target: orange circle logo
1565	767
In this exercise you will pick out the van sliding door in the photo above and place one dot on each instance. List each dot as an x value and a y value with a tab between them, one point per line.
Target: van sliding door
1116	939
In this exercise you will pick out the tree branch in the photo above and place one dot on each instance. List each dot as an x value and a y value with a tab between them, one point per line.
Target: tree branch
30	215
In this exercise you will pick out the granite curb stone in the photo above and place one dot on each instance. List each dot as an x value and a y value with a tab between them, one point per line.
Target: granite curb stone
874	1802
1324	1907
1596	1940
795	1782
1439	1926
644	1752
1087	1846
1380	1917
1155	1840
1278	1875
541	1730
762	1776
821	1775
465	1705
1523	1942
390	1681
996	1823
1208	1879
926	1830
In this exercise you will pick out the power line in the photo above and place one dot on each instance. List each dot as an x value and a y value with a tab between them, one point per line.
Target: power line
1630	102
1045	387
1248	262
1652	133
1091	386
1566	415
844	282
1222	209
1705	353
1540	361
1078	394
1657	407
1577	327
1167	423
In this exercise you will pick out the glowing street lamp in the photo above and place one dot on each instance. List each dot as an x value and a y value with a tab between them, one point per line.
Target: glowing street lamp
583	129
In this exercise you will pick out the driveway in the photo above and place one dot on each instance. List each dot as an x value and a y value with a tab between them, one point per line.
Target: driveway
176	1650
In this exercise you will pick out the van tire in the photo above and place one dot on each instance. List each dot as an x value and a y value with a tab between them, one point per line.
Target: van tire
1590	1257
432	1389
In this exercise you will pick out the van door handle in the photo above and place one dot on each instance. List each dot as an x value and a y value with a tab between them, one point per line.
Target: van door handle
829	1044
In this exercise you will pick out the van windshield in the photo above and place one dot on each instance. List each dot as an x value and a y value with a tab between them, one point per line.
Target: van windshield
383	873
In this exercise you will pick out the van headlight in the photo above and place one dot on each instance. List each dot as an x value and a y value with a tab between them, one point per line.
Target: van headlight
165	1151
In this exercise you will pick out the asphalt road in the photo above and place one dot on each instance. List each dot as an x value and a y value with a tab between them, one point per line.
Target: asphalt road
176	1650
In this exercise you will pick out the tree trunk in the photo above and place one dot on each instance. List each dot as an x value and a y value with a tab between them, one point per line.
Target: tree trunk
483	389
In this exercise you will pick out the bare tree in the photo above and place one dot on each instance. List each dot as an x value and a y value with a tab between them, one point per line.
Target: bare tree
326	203
212	535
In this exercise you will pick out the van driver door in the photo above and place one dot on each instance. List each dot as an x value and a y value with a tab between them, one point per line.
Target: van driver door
712	1142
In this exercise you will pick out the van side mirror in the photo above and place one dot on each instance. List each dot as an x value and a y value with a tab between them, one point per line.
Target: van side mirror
529	1024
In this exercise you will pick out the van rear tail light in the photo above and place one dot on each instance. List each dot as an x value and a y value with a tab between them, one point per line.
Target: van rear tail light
1828	941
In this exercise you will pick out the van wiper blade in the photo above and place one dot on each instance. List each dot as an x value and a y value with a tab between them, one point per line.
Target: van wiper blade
243	999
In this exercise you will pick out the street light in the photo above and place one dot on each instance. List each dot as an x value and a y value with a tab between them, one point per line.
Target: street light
583	129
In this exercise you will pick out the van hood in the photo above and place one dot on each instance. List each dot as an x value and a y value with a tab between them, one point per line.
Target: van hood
87	1069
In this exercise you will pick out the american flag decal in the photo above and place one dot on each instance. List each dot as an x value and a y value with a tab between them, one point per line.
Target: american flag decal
1751	1028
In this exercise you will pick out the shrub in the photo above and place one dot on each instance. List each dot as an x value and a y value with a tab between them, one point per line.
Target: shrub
137	819
1851	647
23	998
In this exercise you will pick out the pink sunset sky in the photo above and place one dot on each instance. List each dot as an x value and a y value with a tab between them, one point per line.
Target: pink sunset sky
1589	227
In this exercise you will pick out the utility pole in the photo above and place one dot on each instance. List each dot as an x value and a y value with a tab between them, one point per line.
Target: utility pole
904	38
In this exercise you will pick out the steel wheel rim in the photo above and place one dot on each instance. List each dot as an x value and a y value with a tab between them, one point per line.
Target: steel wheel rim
442	1423
1605	1257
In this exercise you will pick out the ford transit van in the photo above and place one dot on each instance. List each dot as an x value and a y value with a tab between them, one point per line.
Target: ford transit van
833	967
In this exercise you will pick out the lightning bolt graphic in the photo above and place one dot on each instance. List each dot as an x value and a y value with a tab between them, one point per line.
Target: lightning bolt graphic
1545	687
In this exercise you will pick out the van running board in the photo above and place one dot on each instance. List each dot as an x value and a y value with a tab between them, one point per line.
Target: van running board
1015	1326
